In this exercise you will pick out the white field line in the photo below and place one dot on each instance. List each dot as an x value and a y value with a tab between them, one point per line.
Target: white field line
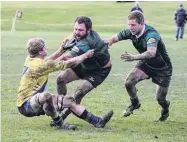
112	74
95	25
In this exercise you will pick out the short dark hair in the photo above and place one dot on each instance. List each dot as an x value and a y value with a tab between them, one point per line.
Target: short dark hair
138	16
86	20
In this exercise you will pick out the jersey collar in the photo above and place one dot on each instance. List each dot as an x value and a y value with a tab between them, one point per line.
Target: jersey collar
137	36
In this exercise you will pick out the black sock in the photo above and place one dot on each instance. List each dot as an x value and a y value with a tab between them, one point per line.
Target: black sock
65	113
89	117
57	118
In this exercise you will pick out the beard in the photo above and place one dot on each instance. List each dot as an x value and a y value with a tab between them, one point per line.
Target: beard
78	37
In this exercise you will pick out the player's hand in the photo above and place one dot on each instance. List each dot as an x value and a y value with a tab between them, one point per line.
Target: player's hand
108	42
127	57
70	43
89	53
65	40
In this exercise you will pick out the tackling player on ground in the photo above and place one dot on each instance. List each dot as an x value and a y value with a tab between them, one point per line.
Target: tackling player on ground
33	101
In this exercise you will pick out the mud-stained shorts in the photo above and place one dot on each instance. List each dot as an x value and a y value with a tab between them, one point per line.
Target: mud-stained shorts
95	77
32	107
27	110
159	77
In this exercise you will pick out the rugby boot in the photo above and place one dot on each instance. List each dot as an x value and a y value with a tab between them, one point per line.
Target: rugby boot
62	125
134	105
104	119
164	112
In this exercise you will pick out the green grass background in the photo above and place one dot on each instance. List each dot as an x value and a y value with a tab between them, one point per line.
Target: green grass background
53	21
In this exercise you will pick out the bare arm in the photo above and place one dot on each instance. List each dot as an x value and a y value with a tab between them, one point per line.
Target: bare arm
79	59
65	56
150	53
56	65
112	40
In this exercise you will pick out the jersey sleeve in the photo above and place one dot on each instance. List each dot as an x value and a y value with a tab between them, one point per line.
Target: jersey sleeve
48	67
152	39
123	35
79	49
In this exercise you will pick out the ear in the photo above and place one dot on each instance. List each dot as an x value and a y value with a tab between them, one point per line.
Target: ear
88	31
40	52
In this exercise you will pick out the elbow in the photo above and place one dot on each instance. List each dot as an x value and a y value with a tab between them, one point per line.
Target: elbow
152	54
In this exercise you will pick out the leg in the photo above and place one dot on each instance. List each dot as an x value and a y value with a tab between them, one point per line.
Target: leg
161	94
82	113
80	92
182	33
135	76
177	33
64	78
45	101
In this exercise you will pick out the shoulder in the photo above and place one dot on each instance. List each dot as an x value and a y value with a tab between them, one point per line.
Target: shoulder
151	33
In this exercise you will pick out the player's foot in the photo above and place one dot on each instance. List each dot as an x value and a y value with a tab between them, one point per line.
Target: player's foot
129	110
176	39
135	104
62	125
104	119
68	126
164	113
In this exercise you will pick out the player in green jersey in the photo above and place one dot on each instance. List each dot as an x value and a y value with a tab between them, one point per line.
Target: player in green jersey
92	71
153	58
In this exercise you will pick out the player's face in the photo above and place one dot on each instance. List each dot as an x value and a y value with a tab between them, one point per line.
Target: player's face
134	27
79	30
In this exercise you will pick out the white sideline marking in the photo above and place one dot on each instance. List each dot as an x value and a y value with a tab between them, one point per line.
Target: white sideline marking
96	25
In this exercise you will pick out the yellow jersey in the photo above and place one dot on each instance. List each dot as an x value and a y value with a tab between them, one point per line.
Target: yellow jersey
35	76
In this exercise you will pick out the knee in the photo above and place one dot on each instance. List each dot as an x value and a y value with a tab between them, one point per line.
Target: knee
128	83
68	102
61	79
47	97
79	94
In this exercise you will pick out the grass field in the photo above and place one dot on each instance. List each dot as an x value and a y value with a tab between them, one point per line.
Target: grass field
53	21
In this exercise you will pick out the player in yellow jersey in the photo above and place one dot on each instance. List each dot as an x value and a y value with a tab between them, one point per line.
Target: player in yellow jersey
33	101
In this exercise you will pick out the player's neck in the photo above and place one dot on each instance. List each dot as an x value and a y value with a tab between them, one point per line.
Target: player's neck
141	32
37	56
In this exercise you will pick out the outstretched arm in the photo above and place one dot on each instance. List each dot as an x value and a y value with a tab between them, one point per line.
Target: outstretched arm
112	40
59	52
79	59
56	65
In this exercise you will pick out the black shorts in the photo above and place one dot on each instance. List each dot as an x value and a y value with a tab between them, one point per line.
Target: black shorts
95	77
161	77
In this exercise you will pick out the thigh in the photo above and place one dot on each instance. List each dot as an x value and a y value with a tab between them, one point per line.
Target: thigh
27	110
136	75
96	77
68	75
162	81
36	104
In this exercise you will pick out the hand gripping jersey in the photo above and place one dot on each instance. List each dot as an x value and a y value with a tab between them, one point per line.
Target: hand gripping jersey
35	77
